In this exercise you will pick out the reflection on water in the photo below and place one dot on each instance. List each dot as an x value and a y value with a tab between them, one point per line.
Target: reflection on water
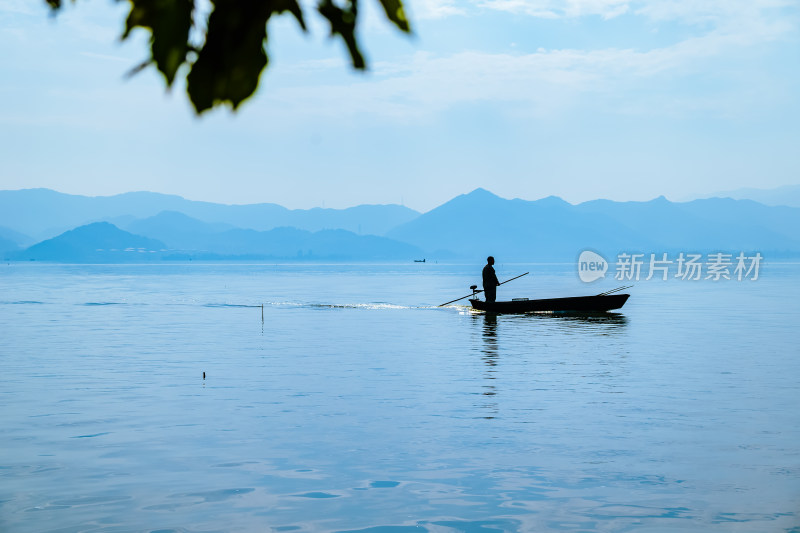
490	338
490	358
606	319
510	330
586	322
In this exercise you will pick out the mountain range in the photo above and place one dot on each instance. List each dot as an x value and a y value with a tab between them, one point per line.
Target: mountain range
468	227
552	229
103	242
44	213
787	195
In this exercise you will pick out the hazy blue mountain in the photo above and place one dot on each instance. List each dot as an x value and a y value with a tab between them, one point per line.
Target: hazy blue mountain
7	245
13	240
123	221
293	243
194	238
788	195
480	223
177	230
468	227
100	242
103	242
43	213
720	223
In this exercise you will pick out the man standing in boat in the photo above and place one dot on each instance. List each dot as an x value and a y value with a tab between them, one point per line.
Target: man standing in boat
490	281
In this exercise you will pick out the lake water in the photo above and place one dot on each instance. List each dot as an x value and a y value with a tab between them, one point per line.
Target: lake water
358	405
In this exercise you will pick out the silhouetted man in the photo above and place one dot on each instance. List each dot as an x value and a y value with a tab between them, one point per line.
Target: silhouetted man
490	282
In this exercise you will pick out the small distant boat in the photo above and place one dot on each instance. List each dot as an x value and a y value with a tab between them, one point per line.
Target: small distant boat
578	304
419	260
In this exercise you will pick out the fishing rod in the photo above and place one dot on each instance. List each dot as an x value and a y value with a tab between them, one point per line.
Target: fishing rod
614	290
474	292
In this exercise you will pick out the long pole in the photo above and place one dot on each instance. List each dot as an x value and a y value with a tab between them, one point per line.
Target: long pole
614	290
476	292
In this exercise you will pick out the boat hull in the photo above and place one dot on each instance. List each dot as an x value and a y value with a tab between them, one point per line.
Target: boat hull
578	304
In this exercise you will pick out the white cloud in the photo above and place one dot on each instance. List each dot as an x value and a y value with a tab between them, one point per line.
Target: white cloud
434	9
560	8
705	11
545	82
685	11
542	83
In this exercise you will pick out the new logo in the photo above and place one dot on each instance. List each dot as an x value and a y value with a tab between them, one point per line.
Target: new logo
591	266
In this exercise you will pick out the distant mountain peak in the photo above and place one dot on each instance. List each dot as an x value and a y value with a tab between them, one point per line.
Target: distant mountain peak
95	226
93	241
553	200
483	194
480	192
785	195
171	215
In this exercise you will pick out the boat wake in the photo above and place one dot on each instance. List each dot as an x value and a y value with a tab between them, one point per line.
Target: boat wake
322	306
372	306
230	305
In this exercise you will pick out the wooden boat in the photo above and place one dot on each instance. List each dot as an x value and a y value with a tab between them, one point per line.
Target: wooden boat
579	304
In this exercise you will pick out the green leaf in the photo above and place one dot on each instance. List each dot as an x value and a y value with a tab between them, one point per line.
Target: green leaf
396	13
279	6
343	23
232	57
230	63
169	22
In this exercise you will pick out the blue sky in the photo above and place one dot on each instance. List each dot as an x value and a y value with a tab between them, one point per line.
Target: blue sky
584	99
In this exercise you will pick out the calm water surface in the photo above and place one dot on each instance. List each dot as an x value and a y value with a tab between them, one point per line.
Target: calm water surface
357	405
